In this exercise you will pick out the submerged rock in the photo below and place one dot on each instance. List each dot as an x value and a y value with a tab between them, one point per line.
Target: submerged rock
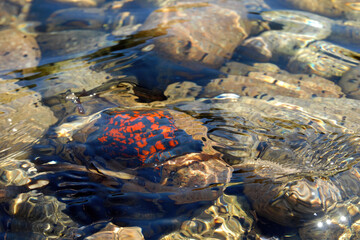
113	232
188	32
18	50
251	81
57	46
140	153
324	59
24	119
298	159
350	83
76	18
332	8
272	84
13	12
225	219
36	213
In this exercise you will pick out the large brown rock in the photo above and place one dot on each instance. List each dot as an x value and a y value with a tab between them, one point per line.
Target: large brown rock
198	31
18	50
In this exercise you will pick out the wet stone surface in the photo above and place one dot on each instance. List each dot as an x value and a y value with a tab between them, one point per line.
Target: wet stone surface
24	119
147	151
350	83
180	39
113	232
332	8
225	147
57	46
262	84
13	12
18	50
226	219
310	177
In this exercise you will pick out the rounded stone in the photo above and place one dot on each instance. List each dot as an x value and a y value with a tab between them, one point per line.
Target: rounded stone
18	50
350	83
188	32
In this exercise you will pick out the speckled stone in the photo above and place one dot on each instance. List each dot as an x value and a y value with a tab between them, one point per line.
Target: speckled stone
188	32
18	50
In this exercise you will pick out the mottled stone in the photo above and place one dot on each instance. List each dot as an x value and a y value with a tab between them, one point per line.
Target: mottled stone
188	32
18	50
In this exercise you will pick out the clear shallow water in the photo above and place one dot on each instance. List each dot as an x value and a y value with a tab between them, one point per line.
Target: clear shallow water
305	144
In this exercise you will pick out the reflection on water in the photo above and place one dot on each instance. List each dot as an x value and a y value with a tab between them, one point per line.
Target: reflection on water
178	119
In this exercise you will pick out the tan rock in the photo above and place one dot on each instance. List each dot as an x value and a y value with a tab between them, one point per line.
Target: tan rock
18	50
197	32
23	118
113	232
331	8
225	219
261	83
